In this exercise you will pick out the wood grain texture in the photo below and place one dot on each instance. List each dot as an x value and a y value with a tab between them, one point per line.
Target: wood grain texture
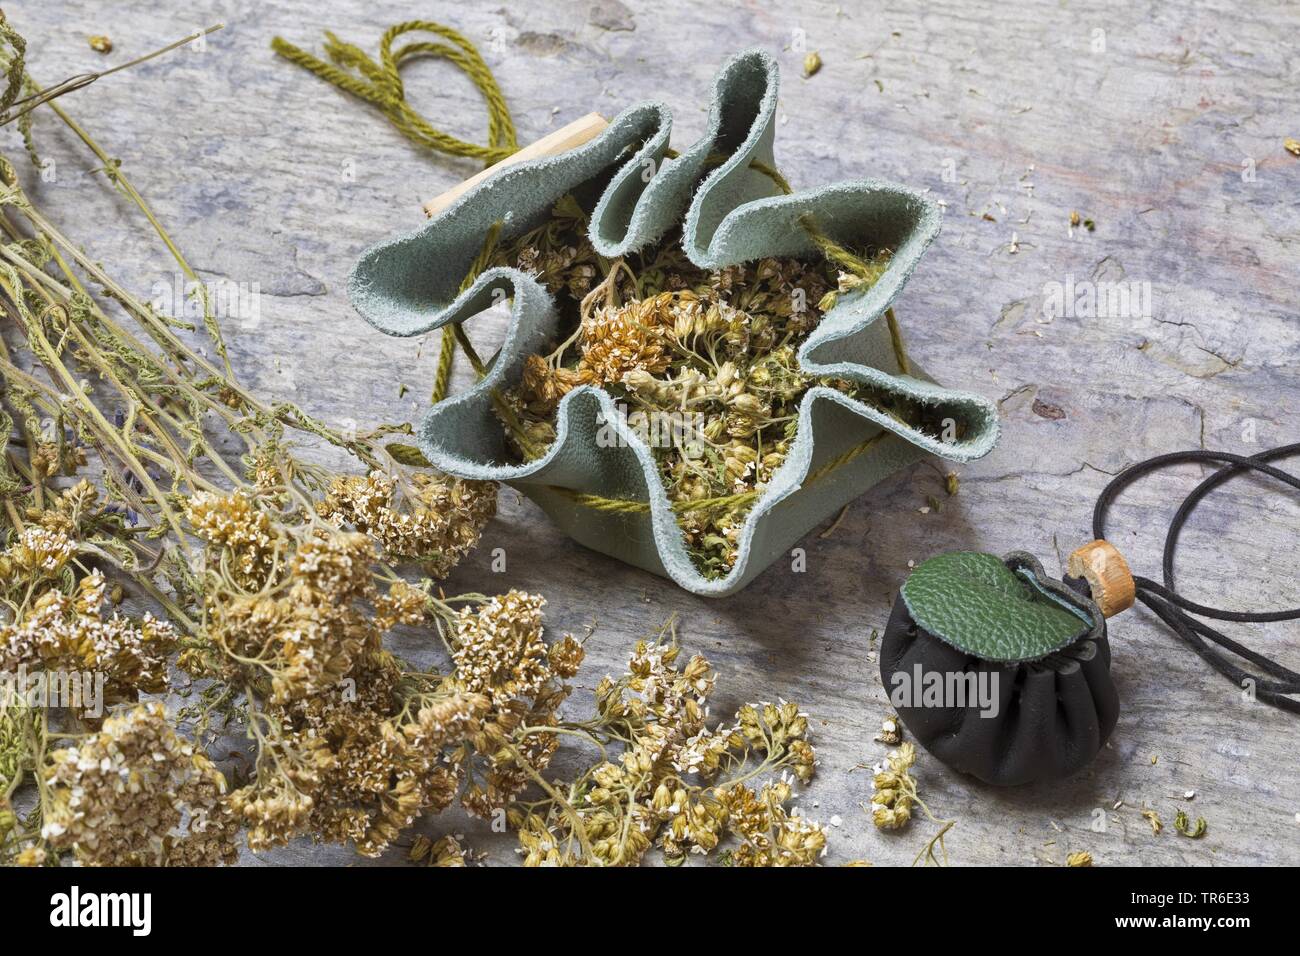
1169	140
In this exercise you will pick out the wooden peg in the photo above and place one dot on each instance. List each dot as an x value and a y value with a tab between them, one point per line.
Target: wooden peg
561	141
1104	568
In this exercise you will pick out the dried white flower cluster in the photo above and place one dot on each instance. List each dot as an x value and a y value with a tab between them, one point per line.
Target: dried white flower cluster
41	551
69	632
435	519
499	650
137	794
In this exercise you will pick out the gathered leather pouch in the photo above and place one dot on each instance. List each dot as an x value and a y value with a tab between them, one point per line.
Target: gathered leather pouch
998	670
729	213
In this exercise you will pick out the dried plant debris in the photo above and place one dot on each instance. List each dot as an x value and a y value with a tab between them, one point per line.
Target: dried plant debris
812	63
1081	858
891	731
895	794
704	363
1292	146
1076	220
1153	818
100	43
1183	826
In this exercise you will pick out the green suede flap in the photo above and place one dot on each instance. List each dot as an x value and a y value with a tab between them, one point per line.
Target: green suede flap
980	605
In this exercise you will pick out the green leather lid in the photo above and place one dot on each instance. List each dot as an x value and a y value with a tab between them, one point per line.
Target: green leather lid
994	609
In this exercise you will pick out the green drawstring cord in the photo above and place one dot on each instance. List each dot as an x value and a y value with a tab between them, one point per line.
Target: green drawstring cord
381	84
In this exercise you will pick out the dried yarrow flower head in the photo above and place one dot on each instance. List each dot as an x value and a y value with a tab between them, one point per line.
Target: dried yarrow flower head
432	519
632	337
499	650
40	552
677	781
299	630
779	727
244	531
138	794
31	856
446	852
771	835
895	790
894	798
541	386
42	547
558	254
69	633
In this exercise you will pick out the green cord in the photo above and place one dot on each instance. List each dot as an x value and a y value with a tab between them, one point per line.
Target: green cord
380	83
630	506
854	265
442	379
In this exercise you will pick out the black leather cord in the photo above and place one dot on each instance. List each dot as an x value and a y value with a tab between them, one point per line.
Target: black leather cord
1174	609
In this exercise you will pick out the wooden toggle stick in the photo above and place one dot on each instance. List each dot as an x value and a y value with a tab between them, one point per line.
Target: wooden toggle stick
561	141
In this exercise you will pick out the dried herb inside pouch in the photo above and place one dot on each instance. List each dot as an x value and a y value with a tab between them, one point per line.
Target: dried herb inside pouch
703	361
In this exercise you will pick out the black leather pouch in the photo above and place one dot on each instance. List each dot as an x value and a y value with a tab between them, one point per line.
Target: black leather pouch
1006	722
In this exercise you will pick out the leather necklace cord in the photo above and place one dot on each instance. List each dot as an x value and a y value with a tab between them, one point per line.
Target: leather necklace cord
1177	611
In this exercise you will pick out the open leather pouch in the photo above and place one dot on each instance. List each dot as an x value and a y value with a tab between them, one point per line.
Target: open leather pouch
729	212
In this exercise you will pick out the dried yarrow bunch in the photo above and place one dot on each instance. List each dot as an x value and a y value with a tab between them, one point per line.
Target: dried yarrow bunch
268	580
677	780
353	744
703	362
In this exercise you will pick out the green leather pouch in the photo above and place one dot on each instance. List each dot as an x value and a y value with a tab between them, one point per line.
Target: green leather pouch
730	213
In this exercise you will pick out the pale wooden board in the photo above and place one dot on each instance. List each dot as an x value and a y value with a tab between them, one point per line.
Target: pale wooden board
267	175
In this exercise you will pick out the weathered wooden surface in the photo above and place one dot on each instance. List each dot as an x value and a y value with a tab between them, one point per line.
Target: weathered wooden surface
1170	138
